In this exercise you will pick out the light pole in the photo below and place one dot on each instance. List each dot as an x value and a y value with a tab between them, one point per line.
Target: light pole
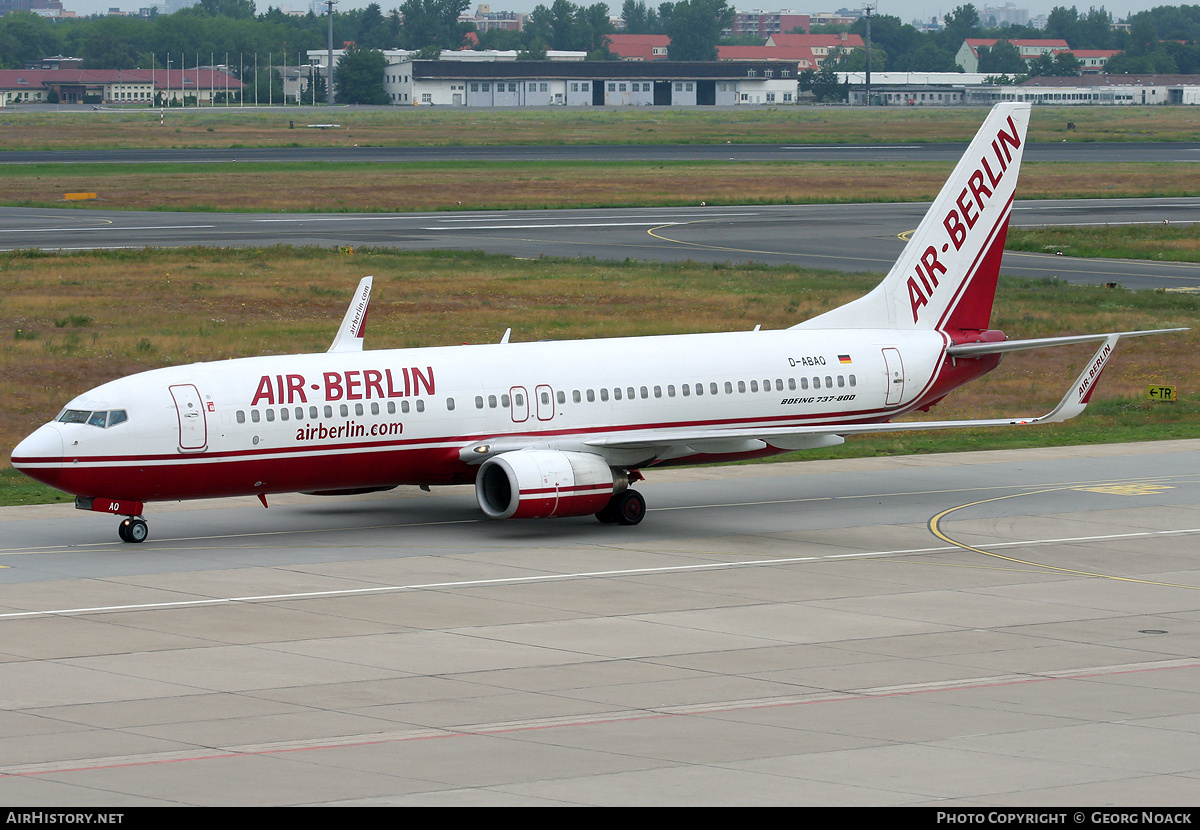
869	8
329	64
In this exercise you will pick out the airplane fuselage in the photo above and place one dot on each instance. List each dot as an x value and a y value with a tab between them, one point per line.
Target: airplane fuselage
349	421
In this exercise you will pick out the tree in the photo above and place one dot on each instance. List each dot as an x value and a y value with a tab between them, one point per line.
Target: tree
896	39
573	28
1062	65
960	24
824	83
1063	23
695	29
928	57
236	9
433	23
373	29
359	77
856	60
1003	58
25	36
634	16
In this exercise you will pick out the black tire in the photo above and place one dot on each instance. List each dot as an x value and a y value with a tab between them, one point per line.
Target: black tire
629	507
134	530
123	530
607	514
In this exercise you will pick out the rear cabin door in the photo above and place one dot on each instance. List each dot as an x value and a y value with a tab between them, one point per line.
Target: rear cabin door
895	376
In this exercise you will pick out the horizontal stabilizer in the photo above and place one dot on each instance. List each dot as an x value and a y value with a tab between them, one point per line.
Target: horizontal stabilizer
350	335
977	349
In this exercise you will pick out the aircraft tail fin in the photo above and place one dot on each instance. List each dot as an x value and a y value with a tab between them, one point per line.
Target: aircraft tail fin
946	275
349	337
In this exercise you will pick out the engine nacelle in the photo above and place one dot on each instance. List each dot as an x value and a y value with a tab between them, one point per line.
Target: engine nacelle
537	484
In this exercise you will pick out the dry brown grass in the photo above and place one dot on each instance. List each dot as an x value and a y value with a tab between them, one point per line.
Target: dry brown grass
355	187
85	319
37	127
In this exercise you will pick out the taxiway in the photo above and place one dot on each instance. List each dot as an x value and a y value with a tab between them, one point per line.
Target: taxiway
1001	628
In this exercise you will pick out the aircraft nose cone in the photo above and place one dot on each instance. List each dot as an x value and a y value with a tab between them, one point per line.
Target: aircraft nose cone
40	456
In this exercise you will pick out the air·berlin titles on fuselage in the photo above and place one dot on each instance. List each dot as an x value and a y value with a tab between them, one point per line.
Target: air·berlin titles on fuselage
959	222
350	385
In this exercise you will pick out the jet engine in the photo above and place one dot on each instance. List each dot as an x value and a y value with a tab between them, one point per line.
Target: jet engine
535	484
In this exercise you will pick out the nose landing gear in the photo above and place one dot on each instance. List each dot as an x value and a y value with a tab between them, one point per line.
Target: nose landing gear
133	529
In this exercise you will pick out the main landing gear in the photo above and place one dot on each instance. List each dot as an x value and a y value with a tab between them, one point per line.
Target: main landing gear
625	508
133	529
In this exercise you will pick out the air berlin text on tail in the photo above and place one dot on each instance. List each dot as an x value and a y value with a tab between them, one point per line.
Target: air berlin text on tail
958	223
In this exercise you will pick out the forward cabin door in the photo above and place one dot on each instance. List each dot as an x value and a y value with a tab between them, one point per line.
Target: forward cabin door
895	376
193	424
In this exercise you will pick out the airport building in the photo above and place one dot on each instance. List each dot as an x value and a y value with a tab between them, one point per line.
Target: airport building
1127	90
205	85
591	83
924	89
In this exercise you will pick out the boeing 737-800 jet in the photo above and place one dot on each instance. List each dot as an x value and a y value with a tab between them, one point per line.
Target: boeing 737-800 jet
562	428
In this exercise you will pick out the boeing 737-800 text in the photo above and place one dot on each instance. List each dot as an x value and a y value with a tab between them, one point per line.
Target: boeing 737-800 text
563	428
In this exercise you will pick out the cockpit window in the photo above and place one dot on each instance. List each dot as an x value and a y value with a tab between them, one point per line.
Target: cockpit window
100	418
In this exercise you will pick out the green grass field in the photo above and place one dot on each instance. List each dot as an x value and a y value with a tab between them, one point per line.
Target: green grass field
36	127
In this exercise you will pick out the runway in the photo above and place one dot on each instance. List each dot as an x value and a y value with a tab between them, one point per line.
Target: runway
1000	628
859	237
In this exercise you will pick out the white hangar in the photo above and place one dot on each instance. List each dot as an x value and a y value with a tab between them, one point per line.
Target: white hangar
589	83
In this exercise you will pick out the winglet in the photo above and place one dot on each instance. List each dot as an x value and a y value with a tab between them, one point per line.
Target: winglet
1077	397
350	336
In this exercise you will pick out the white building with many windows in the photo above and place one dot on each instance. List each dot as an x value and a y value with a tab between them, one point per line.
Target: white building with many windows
582	84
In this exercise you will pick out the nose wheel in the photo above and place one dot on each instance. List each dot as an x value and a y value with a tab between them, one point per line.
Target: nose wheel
133	529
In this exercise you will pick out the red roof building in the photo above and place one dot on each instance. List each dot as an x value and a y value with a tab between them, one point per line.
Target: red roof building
639	47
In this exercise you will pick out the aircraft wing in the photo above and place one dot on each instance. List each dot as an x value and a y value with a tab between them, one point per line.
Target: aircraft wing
643	446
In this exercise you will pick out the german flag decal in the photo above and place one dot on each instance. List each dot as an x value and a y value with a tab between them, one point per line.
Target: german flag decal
844	358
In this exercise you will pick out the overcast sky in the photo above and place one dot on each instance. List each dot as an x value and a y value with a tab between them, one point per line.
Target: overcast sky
906	10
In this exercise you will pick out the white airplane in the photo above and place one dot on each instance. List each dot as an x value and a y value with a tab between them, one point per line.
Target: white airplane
563	428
